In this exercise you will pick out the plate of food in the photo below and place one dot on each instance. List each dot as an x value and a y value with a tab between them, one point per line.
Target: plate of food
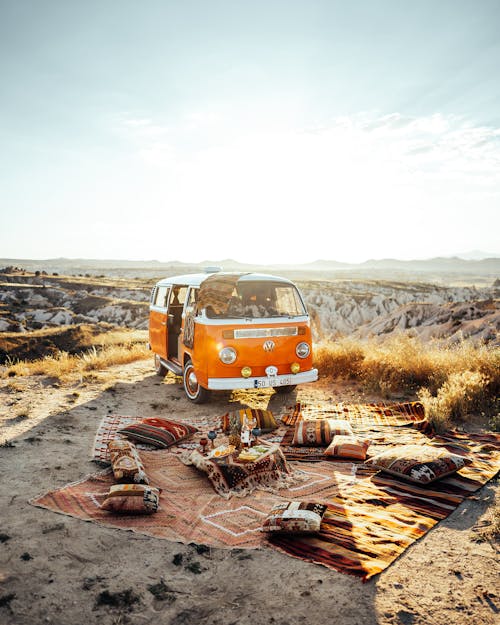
222	452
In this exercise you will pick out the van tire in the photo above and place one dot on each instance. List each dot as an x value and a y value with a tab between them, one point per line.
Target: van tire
194	391
160	369
282	390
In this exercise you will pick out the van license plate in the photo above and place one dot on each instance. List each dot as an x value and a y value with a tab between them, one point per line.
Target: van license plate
272	381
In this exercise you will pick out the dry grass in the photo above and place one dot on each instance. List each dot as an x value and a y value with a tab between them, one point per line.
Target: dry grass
461	395
340	360
64	366
453	382
120	337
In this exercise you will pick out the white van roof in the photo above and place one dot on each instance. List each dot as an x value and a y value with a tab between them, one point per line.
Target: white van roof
195	279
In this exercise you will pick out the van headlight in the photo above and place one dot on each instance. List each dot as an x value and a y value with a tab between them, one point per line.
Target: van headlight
227	355
303	350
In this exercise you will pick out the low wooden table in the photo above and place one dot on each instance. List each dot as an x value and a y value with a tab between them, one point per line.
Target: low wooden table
231	477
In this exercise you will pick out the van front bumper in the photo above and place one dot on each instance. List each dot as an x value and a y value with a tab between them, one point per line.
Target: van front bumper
289	379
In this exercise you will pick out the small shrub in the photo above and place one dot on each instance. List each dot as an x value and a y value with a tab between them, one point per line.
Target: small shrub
461	395
494	529
162	592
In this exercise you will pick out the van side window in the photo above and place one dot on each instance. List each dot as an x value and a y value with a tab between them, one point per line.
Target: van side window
161	296
191	301
178	296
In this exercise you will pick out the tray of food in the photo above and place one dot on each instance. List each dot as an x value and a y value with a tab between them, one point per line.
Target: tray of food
252	454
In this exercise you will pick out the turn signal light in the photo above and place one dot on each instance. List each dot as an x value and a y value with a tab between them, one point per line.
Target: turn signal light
246	372
295	367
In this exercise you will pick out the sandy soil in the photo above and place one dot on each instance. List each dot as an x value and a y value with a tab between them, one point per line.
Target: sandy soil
60	570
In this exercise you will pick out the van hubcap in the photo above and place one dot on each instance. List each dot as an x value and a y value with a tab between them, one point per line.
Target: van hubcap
191	382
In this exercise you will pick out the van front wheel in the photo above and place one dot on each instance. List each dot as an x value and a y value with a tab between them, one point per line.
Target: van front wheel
285	389
195	392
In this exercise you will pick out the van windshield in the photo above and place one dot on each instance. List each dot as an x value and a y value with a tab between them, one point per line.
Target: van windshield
261	300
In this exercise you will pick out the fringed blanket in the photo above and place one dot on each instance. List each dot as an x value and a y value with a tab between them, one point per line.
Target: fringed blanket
359	414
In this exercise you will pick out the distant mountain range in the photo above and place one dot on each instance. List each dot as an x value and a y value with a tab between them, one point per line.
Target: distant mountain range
474	262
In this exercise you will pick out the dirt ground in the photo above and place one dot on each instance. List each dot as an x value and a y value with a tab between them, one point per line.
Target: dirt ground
60	570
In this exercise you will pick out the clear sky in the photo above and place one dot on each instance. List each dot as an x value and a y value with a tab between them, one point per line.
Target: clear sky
264	131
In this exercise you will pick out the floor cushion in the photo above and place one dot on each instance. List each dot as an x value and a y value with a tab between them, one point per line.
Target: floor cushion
294	517
265	420
132	499
158	432
347	447
125	462
421	464
319	432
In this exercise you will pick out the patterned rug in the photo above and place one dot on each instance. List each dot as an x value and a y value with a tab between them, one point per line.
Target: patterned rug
368	414
110	424
190	510
371	518
379	423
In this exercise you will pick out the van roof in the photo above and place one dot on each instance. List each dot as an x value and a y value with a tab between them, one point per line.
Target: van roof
195	279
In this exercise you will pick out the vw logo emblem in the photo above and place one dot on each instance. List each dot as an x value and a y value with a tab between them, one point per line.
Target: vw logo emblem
268	346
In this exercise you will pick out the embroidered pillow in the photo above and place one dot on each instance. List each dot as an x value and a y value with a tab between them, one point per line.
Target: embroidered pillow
320	432
294	516
125	461
418	463
132	499
312	433
347	447
169	433
264	418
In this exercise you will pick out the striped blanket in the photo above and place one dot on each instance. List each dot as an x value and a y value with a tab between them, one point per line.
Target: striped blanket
372	521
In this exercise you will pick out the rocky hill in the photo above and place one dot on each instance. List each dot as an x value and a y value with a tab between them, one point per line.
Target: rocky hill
363	308
34	301
375	308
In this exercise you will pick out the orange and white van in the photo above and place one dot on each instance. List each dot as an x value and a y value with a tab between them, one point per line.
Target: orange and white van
224	331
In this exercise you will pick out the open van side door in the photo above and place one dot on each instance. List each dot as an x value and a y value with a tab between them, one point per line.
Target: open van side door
176	301
158	321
